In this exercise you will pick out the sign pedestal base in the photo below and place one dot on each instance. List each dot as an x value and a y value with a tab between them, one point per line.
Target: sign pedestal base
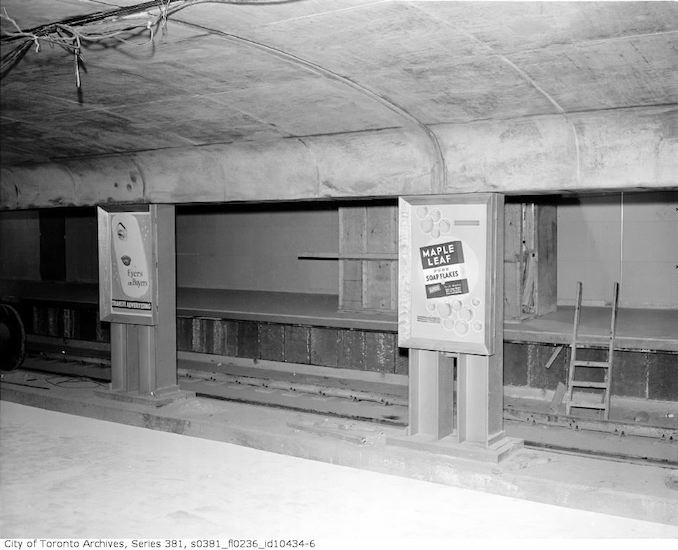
495	452
479	433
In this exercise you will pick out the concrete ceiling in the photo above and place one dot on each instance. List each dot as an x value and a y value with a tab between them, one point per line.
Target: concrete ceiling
432	89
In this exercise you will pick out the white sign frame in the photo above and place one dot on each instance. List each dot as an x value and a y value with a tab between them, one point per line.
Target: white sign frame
135	309
450	266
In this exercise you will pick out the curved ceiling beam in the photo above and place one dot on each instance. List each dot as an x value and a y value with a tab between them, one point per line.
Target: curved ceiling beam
621	149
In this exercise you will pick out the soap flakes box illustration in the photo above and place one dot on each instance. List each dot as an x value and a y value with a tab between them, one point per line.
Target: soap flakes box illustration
448	280
131	280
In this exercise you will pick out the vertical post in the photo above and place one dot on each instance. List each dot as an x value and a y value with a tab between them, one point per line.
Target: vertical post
480	407
431	393
480	401
164	345
124	357
530	234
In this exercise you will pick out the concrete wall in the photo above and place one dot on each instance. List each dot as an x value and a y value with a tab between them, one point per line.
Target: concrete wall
20	245
257	248
630	238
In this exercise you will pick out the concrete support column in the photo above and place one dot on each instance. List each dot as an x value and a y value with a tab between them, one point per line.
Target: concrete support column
144	357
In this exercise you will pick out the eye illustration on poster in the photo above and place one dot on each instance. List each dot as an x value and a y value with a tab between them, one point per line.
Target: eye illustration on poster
443	258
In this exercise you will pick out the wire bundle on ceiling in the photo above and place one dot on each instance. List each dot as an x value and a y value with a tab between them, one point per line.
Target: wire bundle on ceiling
112	26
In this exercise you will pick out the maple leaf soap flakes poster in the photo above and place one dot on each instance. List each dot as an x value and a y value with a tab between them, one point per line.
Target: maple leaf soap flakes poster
448	282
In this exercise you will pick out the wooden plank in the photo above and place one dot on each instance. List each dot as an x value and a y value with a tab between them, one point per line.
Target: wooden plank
197	336
229	342
381	228
546	282
368	235
352	220
513	262
553	357
351	285
70	322
600	364
378	286
297	340
324	347
271	341
530	256
55	326
352	229
352	349
512	231
380	349
184	333
558	395
529	288
247	339
208	334
380	278
512	297
217	336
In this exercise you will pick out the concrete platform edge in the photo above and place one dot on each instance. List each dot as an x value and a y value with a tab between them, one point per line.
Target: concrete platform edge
393	460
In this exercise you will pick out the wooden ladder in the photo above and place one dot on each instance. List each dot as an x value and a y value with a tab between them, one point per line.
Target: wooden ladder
606	384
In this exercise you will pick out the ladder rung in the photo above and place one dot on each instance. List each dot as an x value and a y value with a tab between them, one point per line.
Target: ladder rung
588	405
601	364
600	385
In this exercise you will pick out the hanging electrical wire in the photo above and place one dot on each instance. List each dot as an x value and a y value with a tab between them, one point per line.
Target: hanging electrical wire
120	25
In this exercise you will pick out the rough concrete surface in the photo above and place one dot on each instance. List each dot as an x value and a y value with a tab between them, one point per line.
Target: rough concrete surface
70	476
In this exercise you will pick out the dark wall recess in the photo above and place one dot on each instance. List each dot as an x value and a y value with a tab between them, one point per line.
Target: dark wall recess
52	245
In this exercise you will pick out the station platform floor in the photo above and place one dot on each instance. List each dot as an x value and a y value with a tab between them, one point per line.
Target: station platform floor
75	463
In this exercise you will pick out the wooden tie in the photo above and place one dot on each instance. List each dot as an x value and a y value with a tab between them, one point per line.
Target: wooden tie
604	386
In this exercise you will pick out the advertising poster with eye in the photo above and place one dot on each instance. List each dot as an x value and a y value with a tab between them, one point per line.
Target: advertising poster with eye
447	247
130	255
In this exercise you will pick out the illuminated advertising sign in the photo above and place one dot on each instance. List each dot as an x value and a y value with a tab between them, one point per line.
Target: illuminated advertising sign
447	258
